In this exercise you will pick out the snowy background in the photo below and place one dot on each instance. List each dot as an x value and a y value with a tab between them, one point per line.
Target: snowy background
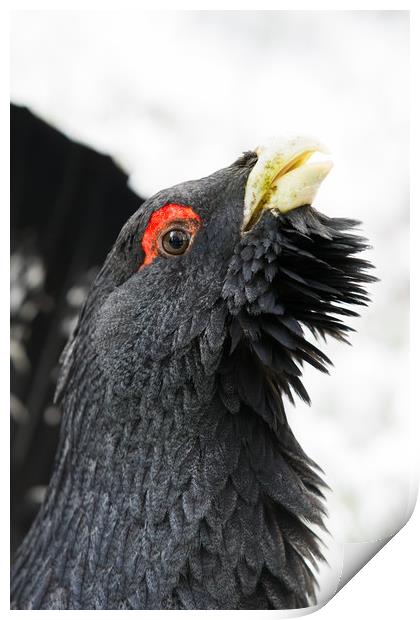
173	96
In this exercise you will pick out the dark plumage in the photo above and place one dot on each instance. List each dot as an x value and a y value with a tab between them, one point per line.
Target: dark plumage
178	482
63	222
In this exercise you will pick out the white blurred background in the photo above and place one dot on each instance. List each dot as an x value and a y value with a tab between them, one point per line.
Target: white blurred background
174	96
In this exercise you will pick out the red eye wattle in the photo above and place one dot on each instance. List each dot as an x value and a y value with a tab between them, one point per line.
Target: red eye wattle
175	218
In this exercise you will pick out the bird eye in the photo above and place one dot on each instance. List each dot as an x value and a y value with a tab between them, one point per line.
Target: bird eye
174	242
169	232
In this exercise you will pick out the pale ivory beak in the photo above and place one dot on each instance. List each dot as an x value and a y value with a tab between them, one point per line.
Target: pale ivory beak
282	180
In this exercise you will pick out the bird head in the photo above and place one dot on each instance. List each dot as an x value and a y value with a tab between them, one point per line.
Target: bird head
216	283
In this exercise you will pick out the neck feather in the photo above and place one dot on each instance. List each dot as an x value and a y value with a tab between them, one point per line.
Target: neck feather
179	504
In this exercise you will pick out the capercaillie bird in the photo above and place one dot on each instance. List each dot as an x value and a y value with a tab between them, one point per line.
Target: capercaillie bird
178	483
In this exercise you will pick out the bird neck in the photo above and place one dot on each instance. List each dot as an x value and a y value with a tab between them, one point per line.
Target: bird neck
147	491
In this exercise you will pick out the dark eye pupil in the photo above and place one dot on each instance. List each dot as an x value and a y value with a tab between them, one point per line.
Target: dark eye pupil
175	241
